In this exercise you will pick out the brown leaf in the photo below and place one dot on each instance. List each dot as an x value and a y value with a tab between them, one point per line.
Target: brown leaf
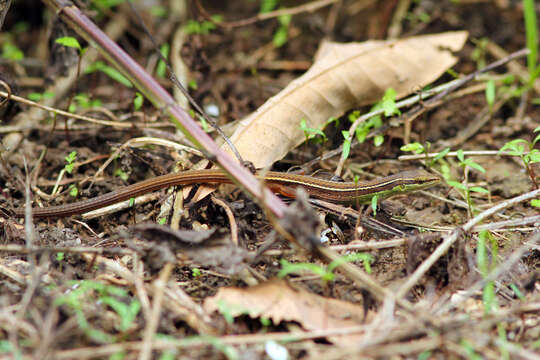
278	301
343	76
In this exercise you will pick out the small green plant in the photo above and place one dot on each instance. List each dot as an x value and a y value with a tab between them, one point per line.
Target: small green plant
418	148
526	151
268	5
326	273
83	101
85	291
388	105
467	190
41	96
485	265
491	91
374	204
531	34
11	52
503	337
281	36
192	84
196	272
161	69
346	144
70	162
121	174
69	41
317	135
479	52
203	27
107	4
73	190
159	11
138	101
109	71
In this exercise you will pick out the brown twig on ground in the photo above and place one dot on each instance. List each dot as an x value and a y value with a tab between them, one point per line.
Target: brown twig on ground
308	7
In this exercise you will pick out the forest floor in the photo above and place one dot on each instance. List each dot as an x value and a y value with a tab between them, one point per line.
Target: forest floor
447	272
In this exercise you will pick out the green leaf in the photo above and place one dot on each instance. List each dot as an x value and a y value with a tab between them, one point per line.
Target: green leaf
475	166
192	84
346	145
364	257
441	154
138	101
69	41
514	147
280	36
290	268
159	11
457	185
309	132
109	71
460	155
490	92
415	147
161	69
71	157
479	189
196	272
73	191
378	140
535	203
531	32
11	52
267	6
374	202
388	103
532	157
516	291
121	174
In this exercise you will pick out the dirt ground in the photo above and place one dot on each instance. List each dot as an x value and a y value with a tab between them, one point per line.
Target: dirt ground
224	277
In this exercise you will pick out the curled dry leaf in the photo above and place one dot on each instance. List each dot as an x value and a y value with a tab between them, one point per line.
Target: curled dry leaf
278	301
342	77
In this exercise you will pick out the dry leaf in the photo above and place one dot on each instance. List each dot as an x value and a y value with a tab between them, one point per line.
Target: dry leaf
343	76
278	301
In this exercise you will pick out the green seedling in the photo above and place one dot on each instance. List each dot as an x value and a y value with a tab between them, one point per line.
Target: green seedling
138	101
326	273
487	261
317	135
465	189
203	27
11	52
109	71
85	291
161	69
526	151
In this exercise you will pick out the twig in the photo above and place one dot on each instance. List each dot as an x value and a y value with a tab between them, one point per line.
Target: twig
150	330
454	154
230	216
308	7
